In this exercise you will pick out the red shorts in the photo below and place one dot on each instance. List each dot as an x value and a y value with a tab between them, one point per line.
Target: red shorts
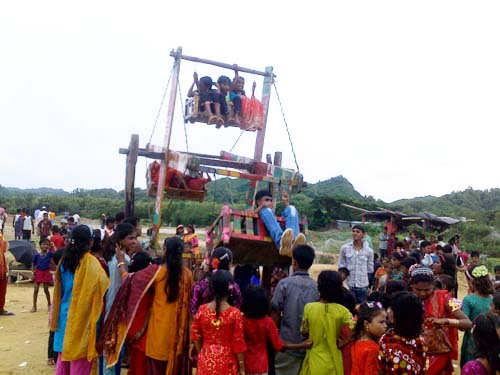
43	276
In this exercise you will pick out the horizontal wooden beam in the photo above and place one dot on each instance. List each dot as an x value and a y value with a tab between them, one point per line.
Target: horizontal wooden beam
220	65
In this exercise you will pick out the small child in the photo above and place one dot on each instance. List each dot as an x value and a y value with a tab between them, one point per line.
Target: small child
487	343
344	275
236	94
406	264
44	226
496	280
402	347
474	257
259	329
381	274
370	326
41	270
209	99
396	267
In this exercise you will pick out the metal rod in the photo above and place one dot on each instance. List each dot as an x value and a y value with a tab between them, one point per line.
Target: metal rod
261	134
221	65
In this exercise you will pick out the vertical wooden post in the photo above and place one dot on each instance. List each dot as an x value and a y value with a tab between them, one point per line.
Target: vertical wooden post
166	145
133	150
266	96
261	133
274	186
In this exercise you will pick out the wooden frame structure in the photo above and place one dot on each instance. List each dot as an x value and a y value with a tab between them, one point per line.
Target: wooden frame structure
225	164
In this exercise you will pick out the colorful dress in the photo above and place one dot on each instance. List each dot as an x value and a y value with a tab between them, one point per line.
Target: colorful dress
441	341
473	305
323	323
364	358
399	355
221	339
474	367
202	294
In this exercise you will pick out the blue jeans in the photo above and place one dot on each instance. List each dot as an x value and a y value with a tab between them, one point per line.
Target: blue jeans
360	294
291	216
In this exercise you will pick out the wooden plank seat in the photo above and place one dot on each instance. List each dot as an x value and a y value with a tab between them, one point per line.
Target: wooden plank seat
192	115
186	193
245	234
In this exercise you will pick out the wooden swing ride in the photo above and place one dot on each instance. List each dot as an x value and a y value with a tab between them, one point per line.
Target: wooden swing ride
241	231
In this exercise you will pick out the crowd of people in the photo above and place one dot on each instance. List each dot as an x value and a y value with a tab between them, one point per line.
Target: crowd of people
395	312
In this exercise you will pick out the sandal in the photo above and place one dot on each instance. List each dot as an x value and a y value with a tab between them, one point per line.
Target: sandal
220	122
212	120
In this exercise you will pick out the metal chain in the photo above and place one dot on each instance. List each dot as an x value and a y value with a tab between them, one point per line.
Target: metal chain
286	125
161	104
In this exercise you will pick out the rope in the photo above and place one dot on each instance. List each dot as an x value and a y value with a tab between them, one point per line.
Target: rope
235	143
161	104
183	117
286	125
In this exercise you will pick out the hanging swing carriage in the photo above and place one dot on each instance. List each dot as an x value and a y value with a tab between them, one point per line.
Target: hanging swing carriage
183	175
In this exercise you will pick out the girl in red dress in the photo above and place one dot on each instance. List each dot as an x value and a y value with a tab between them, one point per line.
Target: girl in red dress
371	324
259	329
41	271
217	332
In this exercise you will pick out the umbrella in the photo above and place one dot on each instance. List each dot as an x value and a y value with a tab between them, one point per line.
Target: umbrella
23	251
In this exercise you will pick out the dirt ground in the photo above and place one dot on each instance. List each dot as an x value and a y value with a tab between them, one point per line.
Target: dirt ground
24	337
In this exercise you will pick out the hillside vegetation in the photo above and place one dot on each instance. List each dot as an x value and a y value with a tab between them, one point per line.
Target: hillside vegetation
320	202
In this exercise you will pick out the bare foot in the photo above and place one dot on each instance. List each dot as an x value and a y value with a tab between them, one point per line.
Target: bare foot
33	309
51	362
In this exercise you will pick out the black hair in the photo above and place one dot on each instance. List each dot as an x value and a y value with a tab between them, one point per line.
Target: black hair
206	81
224	256
448	264
54	229
440	237
360	227
97	244
481	285
417	254
392	287
424	244
81	237
224	79
71	219
44	239
496	300
120	216
497	268
447	282
174	247
219	284
304	256
261	194
408	262
255	303
399	254
375	256
132	220
377	296
344	270
109	220
447	249
474	253
408	312
366	313
330	286
486	338
121	231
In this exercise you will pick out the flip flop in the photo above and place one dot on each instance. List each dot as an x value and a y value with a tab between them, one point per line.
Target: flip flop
5	312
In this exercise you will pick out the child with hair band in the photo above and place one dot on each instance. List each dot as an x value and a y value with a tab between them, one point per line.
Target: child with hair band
41	271
402	350
487	343
259	329
370	326
474	304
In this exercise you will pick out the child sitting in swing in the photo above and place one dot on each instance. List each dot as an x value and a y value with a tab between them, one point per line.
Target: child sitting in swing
209	99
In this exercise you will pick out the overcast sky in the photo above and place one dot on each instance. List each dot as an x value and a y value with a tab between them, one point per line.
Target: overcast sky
401	98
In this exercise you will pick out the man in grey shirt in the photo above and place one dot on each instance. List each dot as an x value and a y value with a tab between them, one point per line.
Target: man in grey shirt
287	308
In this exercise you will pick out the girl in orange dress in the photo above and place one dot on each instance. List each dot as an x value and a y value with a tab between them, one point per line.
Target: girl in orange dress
217	332
370	326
